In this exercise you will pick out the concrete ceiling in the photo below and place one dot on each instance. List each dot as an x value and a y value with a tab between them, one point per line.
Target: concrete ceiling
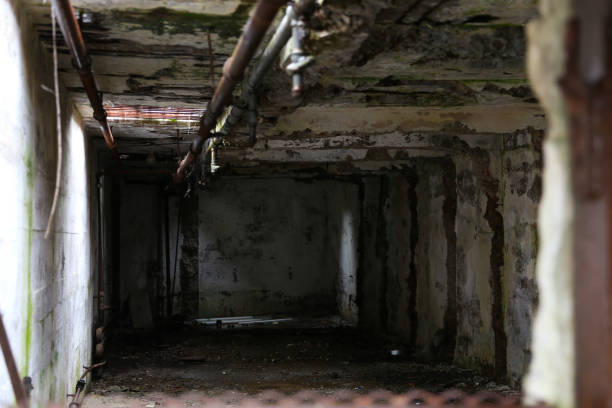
386	72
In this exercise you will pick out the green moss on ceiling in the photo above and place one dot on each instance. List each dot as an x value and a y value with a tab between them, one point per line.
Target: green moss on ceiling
162	20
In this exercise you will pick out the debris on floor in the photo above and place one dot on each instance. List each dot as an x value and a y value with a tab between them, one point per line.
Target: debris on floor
249	360
231	322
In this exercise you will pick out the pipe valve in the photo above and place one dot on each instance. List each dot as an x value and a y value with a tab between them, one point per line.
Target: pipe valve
298	60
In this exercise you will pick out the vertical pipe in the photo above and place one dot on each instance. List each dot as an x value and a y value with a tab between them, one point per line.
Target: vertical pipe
101	307
176	248
116	243
298	34
167	255
252	118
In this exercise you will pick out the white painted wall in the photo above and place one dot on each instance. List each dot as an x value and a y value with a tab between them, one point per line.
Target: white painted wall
45	291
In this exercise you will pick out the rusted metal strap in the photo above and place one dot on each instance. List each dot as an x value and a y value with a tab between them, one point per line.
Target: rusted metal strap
18	386
80	386
341	399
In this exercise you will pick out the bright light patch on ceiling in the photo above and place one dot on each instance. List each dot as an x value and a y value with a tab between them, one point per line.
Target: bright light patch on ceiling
153	113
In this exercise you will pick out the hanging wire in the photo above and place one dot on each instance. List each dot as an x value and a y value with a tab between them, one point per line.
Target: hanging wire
58	120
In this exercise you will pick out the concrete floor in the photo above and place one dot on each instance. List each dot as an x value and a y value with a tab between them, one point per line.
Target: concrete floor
251	360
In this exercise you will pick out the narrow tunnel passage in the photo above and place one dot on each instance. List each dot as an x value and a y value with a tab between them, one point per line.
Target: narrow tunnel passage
353	208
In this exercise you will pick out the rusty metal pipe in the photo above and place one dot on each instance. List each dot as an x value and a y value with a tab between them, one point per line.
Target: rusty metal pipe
233	70
81	384
82	62
269	55
101	306
247	101
18	387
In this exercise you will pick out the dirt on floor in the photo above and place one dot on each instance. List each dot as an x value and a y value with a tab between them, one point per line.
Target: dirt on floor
250	360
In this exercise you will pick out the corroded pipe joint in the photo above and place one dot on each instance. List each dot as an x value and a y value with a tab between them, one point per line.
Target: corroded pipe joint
100	114
196	149
297	89
298	60
232	77
82	64
80	385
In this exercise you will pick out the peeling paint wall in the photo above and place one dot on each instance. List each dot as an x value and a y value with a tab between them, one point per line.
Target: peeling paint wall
46	294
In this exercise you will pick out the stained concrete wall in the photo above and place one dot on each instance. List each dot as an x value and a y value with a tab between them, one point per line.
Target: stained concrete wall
476	190
403	288
386	299
435	263
498	192
277	246
245	246
448	254
522	169
46	294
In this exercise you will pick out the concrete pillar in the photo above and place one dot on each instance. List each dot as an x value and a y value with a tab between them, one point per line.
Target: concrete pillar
189	267
551	374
